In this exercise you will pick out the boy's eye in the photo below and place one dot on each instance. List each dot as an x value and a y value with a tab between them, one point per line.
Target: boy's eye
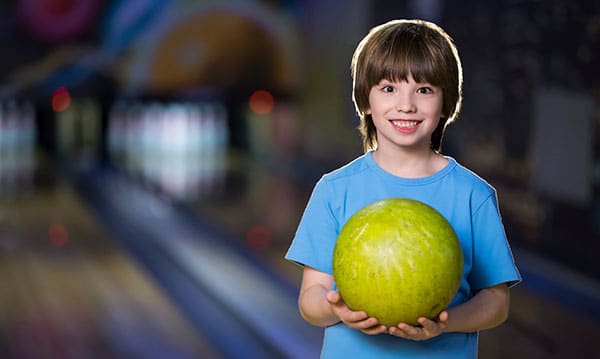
387	88
425	90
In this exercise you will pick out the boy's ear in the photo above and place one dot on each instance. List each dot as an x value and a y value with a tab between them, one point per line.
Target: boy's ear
367	111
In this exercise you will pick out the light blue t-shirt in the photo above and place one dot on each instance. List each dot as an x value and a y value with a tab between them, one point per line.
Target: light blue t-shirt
464	199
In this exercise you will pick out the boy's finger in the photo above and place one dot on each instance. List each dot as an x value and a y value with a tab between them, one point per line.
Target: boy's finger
427	324
443	316
397	331
376	330
358	316
407	329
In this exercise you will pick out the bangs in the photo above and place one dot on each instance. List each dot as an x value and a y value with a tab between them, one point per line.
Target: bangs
403	54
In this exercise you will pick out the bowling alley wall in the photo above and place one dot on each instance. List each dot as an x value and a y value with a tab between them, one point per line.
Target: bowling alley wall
160	89
172	94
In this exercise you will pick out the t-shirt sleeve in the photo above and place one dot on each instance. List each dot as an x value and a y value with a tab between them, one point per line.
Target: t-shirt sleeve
315	237
493	262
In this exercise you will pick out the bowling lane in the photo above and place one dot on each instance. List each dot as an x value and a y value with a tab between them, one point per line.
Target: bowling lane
69	291
179	151
222	288
261	203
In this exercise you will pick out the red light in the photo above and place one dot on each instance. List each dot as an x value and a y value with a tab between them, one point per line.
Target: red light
259	237
58	234
61	99
261	102
58	7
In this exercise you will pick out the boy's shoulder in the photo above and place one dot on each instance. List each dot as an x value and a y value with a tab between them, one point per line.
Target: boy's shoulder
353	168
471	178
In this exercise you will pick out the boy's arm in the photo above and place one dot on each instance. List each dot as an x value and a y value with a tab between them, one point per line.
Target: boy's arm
321	306
487	309
312	301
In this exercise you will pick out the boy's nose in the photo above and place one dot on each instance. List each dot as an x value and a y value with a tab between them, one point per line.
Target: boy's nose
405	103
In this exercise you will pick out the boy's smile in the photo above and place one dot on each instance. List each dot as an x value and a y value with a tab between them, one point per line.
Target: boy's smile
405	126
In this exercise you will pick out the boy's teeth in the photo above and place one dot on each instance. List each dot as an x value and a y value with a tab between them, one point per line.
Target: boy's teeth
405	123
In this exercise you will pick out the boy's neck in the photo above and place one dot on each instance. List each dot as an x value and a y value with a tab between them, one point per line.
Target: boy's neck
410	164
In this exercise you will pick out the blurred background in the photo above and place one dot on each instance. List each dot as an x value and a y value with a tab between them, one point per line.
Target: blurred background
156	157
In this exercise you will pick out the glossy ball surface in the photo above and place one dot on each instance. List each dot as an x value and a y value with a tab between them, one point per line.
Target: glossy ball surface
397	259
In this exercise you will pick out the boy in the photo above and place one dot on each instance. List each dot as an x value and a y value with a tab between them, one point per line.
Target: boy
407	82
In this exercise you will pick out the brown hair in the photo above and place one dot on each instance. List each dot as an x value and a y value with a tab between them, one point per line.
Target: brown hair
396	49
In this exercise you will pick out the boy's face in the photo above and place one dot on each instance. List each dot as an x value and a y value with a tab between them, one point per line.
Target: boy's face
405	113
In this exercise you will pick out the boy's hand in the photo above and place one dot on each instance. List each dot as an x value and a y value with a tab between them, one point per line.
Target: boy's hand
429	329
357	320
